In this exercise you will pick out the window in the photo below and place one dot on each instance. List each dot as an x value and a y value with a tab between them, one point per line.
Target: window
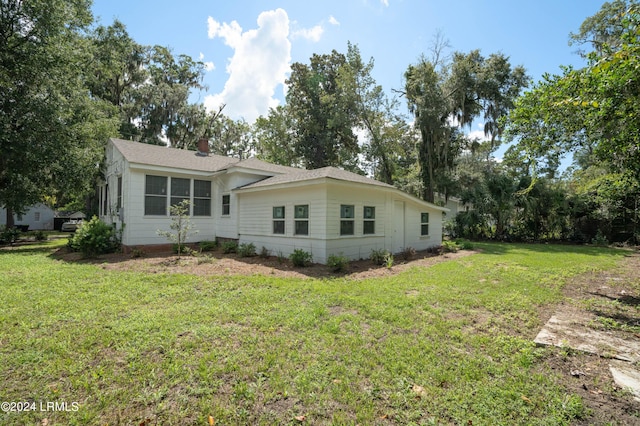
119	192
226	205
105	206
347	214
301	226
201	197
278	220
36	216
180	190
369	224
155	195
424	223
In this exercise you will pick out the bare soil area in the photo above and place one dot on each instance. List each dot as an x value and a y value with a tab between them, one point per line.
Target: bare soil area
216	263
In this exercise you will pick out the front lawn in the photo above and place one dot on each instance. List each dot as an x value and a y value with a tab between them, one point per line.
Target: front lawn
447	344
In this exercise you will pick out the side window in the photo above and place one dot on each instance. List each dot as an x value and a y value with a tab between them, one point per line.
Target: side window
369	224
155	195
301	215
226	205
424	223
201	197
278	220
347	215
180	190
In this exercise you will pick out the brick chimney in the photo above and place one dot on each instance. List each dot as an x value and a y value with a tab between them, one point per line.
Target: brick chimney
203	146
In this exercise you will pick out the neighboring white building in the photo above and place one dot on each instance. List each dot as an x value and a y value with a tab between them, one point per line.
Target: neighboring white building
38	217
324	211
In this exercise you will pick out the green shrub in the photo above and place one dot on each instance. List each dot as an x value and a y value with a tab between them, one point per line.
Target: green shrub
246	250
40	235
600	239
337	262
464	244
378	256
229	247
94	237
449	247
264	252
208	245
9	235
388	260
300	258
184	249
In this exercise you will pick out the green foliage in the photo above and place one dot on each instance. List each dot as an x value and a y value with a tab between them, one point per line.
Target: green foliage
9	234
439	94
181	226
94	237
264	252
246	250
589	107
40	235
600	239
378	256
229	247
52	129
464	244
337	262
181	249
388	260
323	112
301	258
450	247
208	245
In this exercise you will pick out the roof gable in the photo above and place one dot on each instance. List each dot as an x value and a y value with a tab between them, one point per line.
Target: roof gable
155	155
300	175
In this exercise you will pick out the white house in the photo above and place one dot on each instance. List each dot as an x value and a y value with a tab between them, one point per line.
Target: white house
324	211
37	217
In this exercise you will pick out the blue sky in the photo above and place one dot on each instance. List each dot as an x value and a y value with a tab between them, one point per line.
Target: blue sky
249	45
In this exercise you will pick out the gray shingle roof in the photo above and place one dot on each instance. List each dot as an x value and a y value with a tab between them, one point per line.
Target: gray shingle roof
254	163
325	172
154	155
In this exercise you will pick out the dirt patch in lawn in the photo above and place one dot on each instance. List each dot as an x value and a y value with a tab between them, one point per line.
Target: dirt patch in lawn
609	301
217	263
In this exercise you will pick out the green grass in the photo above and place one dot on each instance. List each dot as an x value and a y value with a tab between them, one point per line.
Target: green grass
450	344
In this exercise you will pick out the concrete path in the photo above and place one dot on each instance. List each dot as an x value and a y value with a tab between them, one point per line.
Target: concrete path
570	329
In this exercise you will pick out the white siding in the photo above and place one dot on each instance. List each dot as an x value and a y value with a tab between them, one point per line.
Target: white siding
256	220
38	217
325	199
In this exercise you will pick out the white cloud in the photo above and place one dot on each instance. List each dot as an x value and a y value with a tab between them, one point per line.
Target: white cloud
333	20
312	34
208	65
259	65
385	2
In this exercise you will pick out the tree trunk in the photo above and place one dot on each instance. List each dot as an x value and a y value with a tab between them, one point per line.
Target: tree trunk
10	222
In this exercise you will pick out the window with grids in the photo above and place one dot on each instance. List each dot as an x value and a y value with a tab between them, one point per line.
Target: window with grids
278	220
180	190
226	205
369	223
301	216
347	216
201	197
155	195
424	223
